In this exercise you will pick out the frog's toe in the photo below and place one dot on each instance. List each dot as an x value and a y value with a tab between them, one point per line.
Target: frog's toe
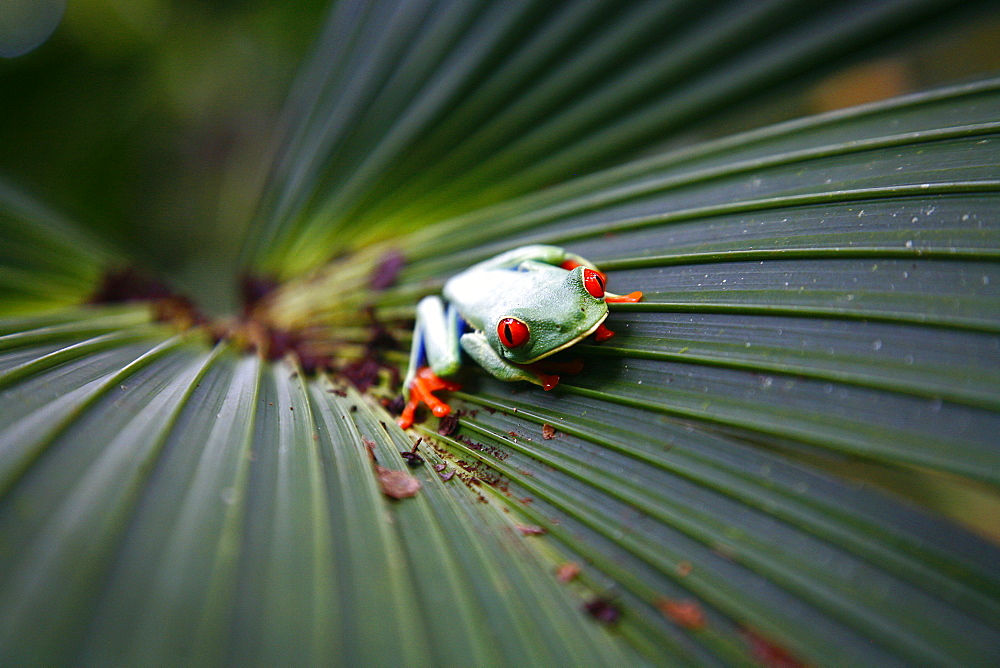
602	333
630	298
547	380
421	392
405	419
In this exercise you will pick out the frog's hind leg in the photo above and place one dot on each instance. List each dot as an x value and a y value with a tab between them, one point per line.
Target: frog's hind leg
525	256
435	352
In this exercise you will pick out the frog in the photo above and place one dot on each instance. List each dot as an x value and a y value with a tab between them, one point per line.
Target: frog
509	314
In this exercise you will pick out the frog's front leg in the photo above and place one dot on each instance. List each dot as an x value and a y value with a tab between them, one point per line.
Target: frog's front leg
478	347
435	352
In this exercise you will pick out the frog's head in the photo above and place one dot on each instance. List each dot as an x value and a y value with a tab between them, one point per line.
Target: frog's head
567	309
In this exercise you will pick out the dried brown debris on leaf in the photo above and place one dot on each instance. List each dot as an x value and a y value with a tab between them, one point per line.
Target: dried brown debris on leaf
448	425
396	484
412	457
603	610
530	529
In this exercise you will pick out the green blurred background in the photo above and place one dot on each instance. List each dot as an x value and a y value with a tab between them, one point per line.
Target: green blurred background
150	121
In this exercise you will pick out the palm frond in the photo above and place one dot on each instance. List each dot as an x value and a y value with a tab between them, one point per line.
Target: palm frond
45	261
421	111
787	453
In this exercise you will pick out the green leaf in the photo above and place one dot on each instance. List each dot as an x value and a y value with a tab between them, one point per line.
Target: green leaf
666	509
449	109
787	453
45	261
204	504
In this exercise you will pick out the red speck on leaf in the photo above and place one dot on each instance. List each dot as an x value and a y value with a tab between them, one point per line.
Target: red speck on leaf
684	613
568	571
770	654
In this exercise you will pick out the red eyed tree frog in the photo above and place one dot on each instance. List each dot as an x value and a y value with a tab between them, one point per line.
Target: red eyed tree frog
508	313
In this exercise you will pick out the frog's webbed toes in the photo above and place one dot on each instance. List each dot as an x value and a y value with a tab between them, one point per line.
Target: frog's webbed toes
421	392
630	298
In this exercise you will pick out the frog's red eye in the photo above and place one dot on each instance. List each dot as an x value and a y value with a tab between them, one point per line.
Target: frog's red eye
594	282
512	332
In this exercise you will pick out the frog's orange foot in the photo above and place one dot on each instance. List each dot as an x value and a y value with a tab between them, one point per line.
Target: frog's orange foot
421	388
548	380
630	298
602	333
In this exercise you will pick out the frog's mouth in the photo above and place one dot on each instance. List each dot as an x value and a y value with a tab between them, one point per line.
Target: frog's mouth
571	342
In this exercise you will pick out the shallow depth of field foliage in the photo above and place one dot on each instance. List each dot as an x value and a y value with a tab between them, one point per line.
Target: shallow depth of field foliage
217	218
